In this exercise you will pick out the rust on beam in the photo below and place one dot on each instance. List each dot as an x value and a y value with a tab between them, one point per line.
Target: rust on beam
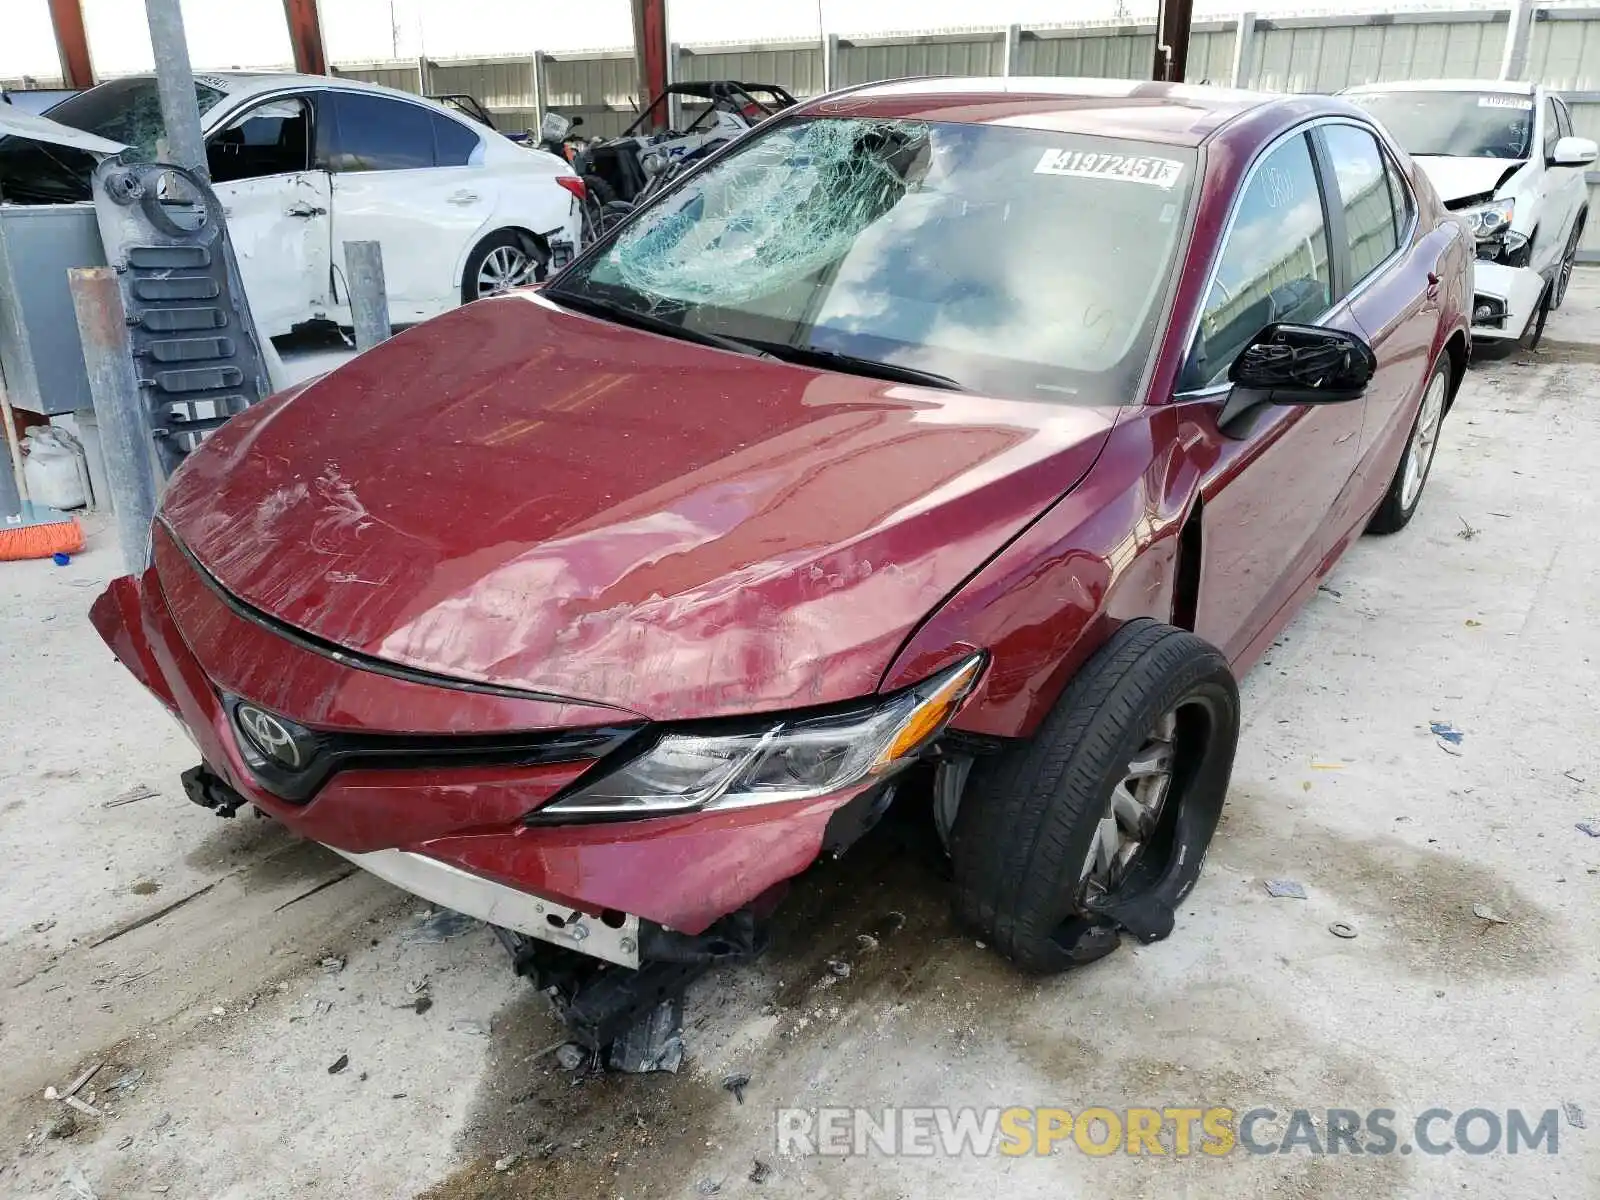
1172	40
305	35
72	43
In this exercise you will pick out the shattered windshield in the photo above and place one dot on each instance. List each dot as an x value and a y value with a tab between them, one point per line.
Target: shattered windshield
1016	262
1455	124
126	111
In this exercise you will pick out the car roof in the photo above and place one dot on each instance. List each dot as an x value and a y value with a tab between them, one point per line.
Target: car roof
1173	113
1510	87
241	85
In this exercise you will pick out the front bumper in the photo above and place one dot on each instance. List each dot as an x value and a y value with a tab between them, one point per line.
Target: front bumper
452	834
1512	293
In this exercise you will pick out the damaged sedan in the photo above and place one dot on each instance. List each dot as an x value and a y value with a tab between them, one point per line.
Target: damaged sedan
953	443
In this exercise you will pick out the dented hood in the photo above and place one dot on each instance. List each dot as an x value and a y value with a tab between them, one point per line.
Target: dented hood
1460	178
522	496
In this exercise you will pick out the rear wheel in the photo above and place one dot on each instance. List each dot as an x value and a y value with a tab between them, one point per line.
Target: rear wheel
1100	822
500	262
1405	489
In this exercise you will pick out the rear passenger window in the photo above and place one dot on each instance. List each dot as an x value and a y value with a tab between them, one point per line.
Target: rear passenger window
376	133
1369	217
1273	267
453	142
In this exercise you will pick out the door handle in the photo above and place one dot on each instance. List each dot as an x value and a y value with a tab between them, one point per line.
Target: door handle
304	211
462	197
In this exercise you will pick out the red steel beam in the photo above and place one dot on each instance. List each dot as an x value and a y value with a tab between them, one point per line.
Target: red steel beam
72	43
650	52
1172	40
305	34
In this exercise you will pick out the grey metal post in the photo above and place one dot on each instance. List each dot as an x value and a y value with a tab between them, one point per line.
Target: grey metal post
1514	61
1244	36
1011	57
424	75
180	112
830	62
539	89
369	301
125	439
674	103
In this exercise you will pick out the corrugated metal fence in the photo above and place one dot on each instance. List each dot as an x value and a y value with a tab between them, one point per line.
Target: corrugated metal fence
1298	54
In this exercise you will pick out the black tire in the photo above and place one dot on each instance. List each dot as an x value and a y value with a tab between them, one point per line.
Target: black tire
1395	510
1568	258
601	192
1029	815
504	239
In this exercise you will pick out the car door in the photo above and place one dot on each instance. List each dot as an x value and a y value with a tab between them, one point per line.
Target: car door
275	199
1270	487
1550	235
404	176
1393	295
1575	184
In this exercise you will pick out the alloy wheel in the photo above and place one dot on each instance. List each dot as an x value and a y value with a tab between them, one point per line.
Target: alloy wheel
1424	440
1133	811
506	267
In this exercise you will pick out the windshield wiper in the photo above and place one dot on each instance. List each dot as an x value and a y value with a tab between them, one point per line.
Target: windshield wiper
596	307
852	364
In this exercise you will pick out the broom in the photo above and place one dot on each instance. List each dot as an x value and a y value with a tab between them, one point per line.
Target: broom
36	531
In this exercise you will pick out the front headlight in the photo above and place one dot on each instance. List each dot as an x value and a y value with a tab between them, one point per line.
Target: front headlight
775	760
1490	220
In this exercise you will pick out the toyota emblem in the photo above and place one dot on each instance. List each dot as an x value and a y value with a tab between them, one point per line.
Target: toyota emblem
269	735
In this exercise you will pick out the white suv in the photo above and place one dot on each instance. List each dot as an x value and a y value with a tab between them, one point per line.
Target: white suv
1502	155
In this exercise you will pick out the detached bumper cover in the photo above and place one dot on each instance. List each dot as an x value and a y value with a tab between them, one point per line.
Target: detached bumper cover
1513	291
681	872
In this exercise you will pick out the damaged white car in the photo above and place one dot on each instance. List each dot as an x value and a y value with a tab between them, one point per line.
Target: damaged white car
1503	156
303	164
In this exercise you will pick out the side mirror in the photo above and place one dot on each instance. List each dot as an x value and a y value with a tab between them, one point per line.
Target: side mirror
576	121
1574	152
1298	364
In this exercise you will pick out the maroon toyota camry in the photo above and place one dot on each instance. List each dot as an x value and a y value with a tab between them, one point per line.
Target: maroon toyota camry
955	440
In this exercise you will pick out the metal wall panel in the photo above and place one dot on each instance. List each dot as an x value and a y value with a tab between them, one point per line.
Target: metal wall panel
1565	54
797	68
1122	53
600	88
864	63
1296	57
497	83
405	77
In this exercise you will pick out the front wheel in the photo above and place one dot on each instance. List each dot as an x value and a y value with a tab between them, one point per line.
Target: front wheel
1399	503
1569	258
1100	822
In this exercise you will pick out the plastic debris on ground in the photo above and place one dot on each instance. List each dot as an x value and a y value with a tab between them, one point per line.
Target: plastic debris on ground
1342	929
439	926
1592	828
1574	1114
759	1171
1285	889
1447	732
1485	913
736	1084
654	1043
571	1056
339	1064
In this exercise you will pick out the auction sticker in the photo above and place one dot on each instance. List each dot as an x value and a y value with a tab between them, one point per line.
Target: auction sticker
1129	168
1521	103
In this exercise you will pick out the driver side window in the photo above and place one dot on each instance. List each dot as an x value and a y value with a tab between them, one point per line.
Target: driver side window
1273	267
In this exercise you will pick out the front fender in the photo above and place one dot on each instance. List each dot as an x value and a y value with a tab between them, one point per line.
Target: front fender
1105	554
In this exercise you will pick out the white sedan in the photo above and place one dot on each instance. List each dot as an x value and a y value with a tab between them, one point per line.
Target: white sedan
1502	155
304	163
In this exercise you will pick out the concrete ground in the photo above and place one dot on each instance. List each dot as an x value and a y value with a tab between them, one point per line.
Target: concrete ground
220	972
